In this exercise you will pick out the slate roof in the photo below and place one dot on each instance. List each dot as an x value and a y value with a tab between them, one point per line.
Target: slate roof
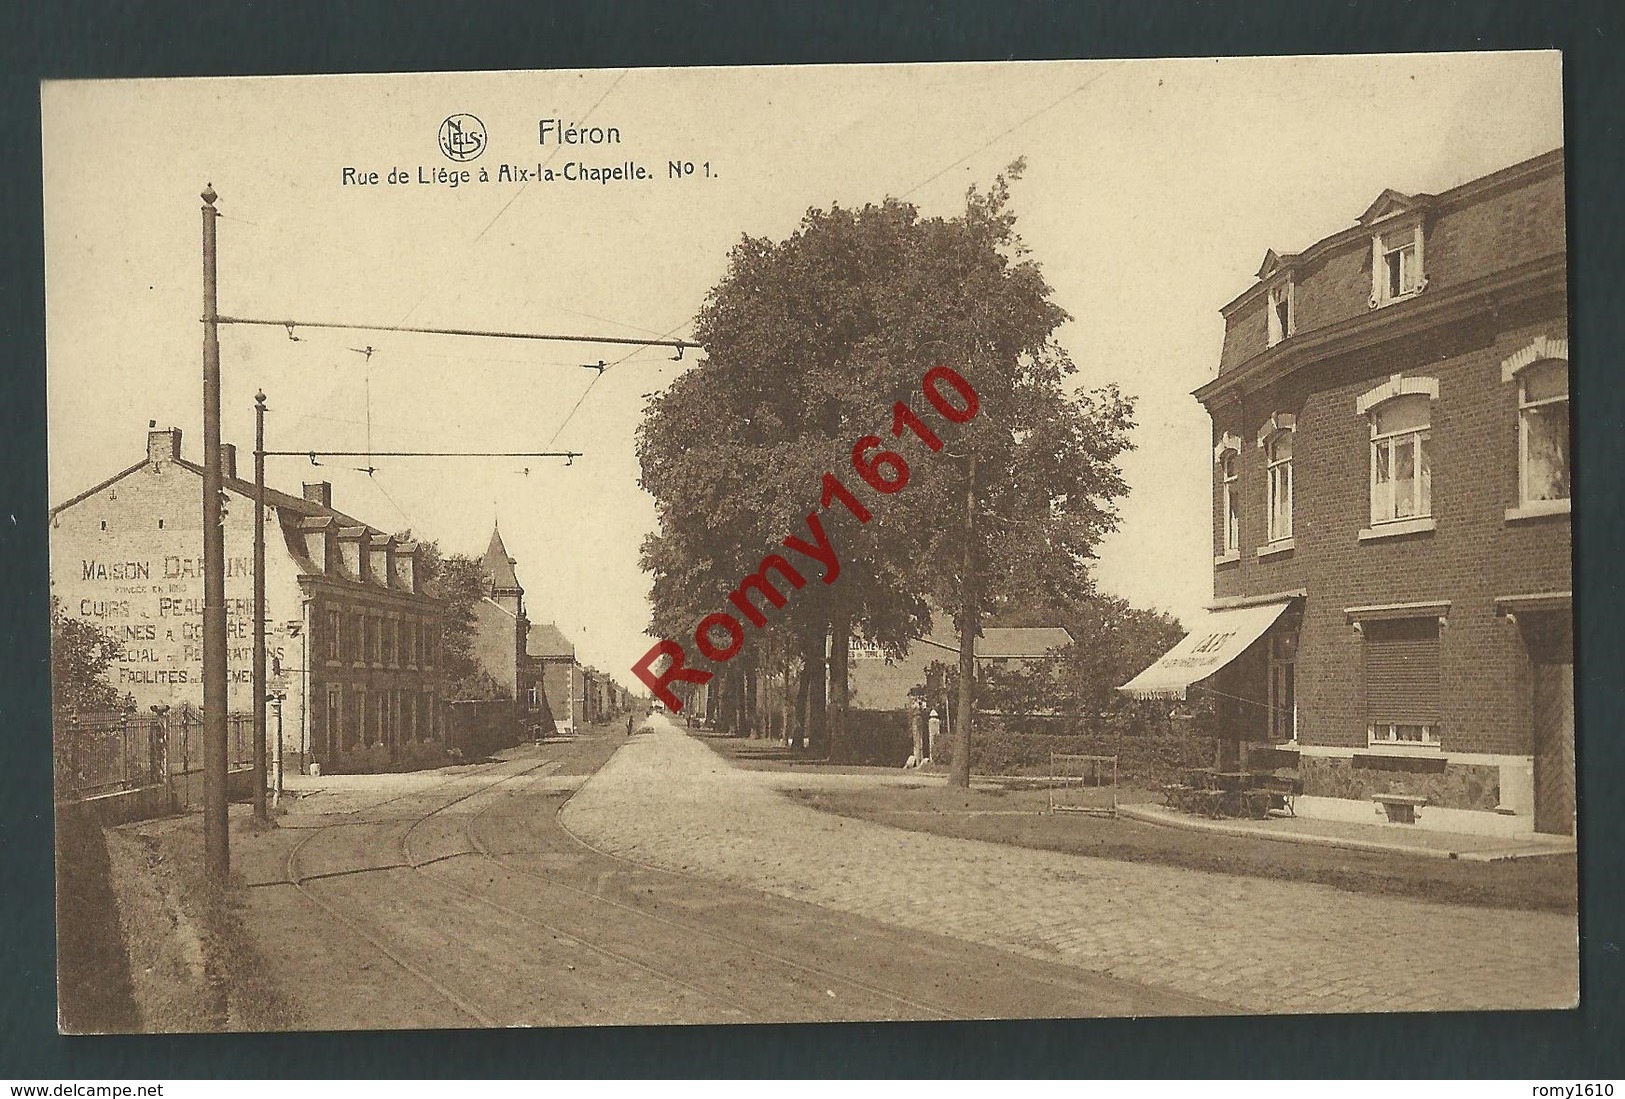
544	640
498	565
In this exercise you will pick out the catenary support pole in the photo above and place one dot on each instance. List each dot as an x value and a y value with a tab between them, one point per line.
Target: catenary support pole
276	791
260	685
216	850
969	613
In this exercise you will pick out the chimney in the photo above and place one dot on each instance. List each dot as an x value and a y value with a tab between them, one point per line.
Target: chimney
319	492
228	459
163	446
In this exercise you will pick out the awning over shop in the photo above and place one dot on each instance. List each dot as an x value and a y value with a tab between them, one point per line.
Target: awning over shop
1214	641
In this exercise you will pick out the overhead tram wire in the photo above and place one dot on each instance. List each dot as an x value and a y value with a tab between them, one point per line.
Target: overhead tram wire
314	454
1012	129
523	187
557	149
423	330
599	376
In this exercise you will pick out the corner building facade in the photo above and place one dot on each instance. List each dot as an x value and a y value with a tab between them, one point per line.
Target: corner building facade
1391	497
352	639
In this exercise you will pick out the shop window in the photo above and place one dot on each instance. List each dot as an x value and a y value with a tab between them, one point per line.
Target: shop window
1284	687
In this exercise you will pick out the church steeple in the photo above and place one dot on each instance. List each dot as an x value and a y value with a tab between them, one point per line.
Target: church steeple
502	583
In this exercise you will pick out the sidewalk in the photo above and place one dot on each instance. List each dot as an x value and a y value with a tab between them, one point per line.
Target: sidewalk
1262	945
1397	838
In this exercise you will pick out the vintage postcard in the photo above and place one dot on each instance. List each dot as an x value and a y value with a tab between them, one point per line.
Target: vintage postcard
811	543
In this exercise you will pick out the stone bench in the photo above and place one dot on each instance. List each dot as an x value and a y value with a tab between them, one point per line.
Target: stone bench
1401	808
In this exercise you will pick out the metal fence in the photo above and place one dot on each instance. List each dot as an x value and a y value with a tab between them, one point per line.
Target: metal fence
108	753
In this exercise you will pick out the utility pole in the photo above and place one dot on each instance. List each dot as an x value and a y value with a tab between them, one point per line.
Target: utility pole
216	849
959	773
259	608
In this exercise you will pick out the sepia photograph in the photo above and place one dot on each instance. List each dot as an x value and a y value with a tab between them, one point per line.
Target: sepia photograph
838	543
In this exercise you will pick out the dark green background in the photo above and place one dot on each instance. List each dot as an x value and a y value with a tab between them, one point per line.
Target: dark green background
203	38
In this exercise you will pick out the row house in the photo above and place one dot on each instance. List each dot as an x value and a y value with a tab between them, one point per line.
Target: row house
353	640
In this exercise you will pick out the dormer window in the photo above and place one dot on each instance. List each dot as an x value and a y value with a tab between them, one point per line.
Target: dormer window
1281	321
1396	264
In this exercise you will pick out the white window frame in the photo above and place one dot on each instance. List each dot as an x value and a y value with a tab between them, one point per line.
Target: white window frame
1230	503
1525	405
1391	442
1542	349
1277	470
1397	386
1281	293
1279	473
1400	240
1386	734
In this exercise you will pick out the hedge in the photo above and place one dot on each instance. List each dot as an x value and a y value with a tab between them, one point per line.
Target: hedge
1146	754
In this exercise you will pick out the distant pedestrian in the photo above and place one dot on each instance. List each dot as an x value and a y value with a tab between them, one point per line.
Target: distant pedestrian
628	724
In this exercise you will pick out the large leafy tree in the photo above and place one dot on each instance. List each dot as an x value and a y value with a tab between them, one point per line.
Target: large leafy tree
1112	641
457	579
82	656
809	343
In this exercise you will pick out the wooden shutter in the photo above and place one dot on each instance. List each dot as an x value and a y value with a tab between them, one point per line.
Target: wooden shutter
1402	671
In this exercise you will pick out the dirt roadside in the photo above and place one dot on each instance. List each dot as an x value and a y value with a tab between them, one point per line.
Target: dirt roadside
192	966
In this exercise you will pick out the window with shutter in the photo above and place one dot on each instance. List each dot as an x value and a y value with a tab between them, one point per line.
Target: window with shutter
1402	681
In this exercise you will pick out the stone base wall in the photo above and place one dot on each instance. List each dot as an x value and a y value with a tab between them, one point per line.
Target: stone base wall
1446	785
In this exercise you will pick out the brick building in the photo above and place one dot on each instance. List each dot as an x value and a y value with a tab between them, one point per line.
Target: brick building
350	633
556	676
1391	514
878	682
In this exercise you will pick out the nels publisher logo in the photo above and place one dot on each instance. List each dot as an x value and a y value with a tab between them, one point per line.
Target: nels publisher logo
462	137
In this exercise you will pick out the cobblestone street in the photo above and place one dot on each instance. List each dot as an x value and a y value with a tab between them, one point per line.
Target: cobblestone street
1261	945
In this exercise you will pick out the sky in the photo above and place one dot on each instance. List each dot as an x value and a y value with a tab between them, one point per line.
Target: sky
1152	191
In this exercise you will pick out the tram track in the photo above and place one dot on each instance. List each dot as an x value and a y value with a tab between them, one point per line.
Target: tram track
826	976
300	882
543	927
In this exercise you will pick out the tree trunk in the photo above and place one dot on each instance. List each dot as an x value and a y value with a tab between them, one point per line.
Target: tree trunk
791	700
813	658
969	627
799	729
840	652
742	686
727	716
